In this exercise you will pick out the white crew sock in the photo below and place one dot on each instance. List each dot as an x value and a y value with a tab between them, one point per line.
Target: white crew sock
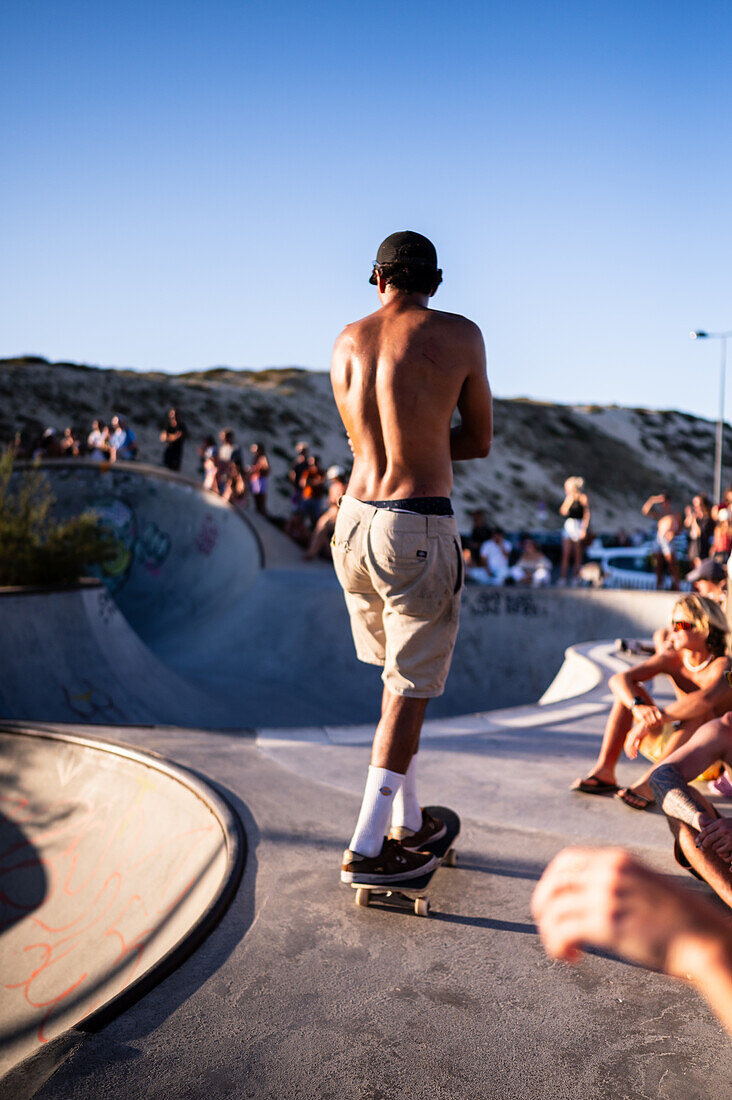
406	810
373	820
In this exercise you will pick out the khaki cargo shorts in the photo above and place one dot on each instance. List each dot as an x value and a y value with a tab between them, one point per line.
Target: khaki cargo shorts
401	574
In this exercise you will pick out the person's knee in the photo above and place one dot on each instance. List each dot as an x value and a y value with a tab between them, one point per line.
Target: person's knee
725	737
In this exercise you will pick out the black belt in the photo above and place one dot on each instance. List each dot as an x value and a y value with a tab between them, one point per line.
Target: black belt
421	506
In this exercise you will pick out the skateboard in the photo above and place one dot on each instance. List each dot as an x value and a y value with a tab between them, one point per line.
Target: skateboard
412	893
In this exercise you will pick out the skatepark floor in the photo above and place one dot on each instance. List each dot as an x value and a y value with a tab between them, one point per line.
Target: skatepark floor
298	992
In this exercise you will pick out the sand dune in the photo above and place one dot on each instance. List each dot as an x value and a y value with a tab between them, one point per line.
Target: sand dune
624	454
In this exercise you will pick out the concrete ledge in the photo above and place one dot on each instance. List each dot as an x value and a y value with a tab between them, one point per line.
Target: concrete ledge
116	864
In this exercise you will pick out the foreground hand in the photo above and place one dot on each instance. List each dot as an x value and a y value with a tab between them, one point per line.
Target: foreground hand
607	898
716	835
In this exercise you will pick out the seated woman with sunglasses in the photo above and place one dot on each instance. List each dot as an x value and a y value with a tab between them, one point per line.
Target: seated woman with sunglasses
696	663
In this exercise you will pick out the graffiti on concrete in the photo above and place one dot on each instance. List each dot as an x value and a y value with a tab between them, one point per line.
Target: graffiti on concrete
507	601
152	547
91	702
106	607
145	544
207	535
114	882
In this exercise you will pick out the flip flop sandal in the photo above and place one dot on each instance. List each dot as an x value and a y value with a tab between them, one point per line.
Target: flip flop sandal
634	800
593	785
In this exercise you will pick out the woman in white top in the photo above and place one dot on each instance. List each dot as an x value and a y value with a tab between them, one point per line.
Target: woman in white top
98	441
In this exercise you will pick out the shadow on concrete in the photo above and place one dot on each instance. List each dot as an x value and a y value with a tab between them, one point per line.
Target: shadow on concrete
489	865
23	880
69	1002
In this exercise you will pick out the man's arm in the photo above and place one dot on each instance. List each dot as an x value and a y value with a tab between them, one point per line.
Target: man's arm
711	742
697	704
675	797
627	686
606	897
705	701
650	504
472	438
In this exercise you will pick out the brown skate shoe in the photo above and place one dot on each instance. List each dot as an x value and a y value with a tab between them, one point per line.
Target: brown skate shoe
393	863
431	829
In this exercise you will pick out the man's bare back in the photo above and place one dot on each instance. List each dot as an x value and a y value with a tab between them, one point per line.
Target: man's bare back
398	376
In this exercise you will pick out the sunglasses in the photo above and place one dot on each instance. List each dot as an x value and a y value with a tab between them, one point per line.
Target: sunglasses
681	625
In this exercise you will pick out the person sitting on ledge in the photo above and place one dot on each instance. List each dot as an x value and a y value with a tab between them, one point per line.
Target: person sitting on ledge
697	664
703	839
708	579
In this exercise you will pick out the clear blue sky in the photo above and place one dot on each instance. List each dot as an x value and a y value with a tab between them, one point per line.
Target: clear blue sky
187	184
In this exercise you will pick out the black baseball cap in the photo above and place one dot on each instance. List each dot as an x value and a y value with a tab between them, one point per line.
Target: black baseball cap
708	570
405	248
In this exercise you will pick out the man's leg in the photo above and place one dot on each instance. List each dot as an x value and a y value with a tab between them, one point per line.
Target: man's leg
707	864
395	742
658	563
673	568
616	730
406	811
397	735
680	802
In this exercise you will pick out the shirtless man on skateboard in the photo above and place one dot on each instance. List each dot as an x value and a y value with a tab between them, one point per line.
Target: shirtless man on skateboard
398	375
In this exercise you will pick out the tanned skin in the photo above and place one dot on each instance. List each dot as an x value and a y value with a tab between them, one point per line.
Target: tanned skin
699	696
704	837
606	897
398	375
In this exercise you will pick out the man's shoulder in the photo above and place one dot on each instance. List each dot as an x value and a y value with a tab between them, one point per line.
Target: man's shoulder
455	320
352	330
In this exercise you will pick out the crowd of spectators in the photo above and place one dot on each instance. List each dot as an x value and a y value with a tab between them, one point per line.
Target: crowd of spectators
105	442
683	539
675	550
226	471
239	475
314	492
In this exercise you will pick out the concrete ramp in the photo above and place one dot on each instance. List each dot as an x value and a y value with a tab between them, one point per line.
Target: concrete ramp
273	645
69	655
285	650
184	554
114	864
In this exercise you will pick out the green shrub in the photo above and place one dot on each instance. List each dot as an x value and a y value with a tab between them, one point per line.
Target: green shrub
36	548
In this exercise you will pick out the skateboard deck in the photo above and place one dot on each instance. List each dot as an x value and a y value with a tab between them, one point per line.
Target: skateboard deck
411	893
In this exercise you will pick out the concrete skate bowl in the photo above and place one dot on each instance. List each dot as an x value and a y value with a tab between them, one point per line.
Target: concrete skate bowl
185	554
272	647
69	655
114	865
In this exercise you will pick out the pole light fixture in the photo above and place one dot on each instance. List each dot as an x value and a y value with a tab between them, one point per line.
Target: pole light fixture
700	334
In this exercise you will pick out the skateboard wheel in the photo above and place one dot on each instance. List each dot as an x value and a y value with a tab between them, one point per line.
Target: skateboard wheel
450	858
362	896
421	907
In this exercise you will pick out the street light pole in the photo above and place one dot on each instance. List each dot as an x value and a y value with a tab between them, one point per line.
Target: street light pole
699	334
